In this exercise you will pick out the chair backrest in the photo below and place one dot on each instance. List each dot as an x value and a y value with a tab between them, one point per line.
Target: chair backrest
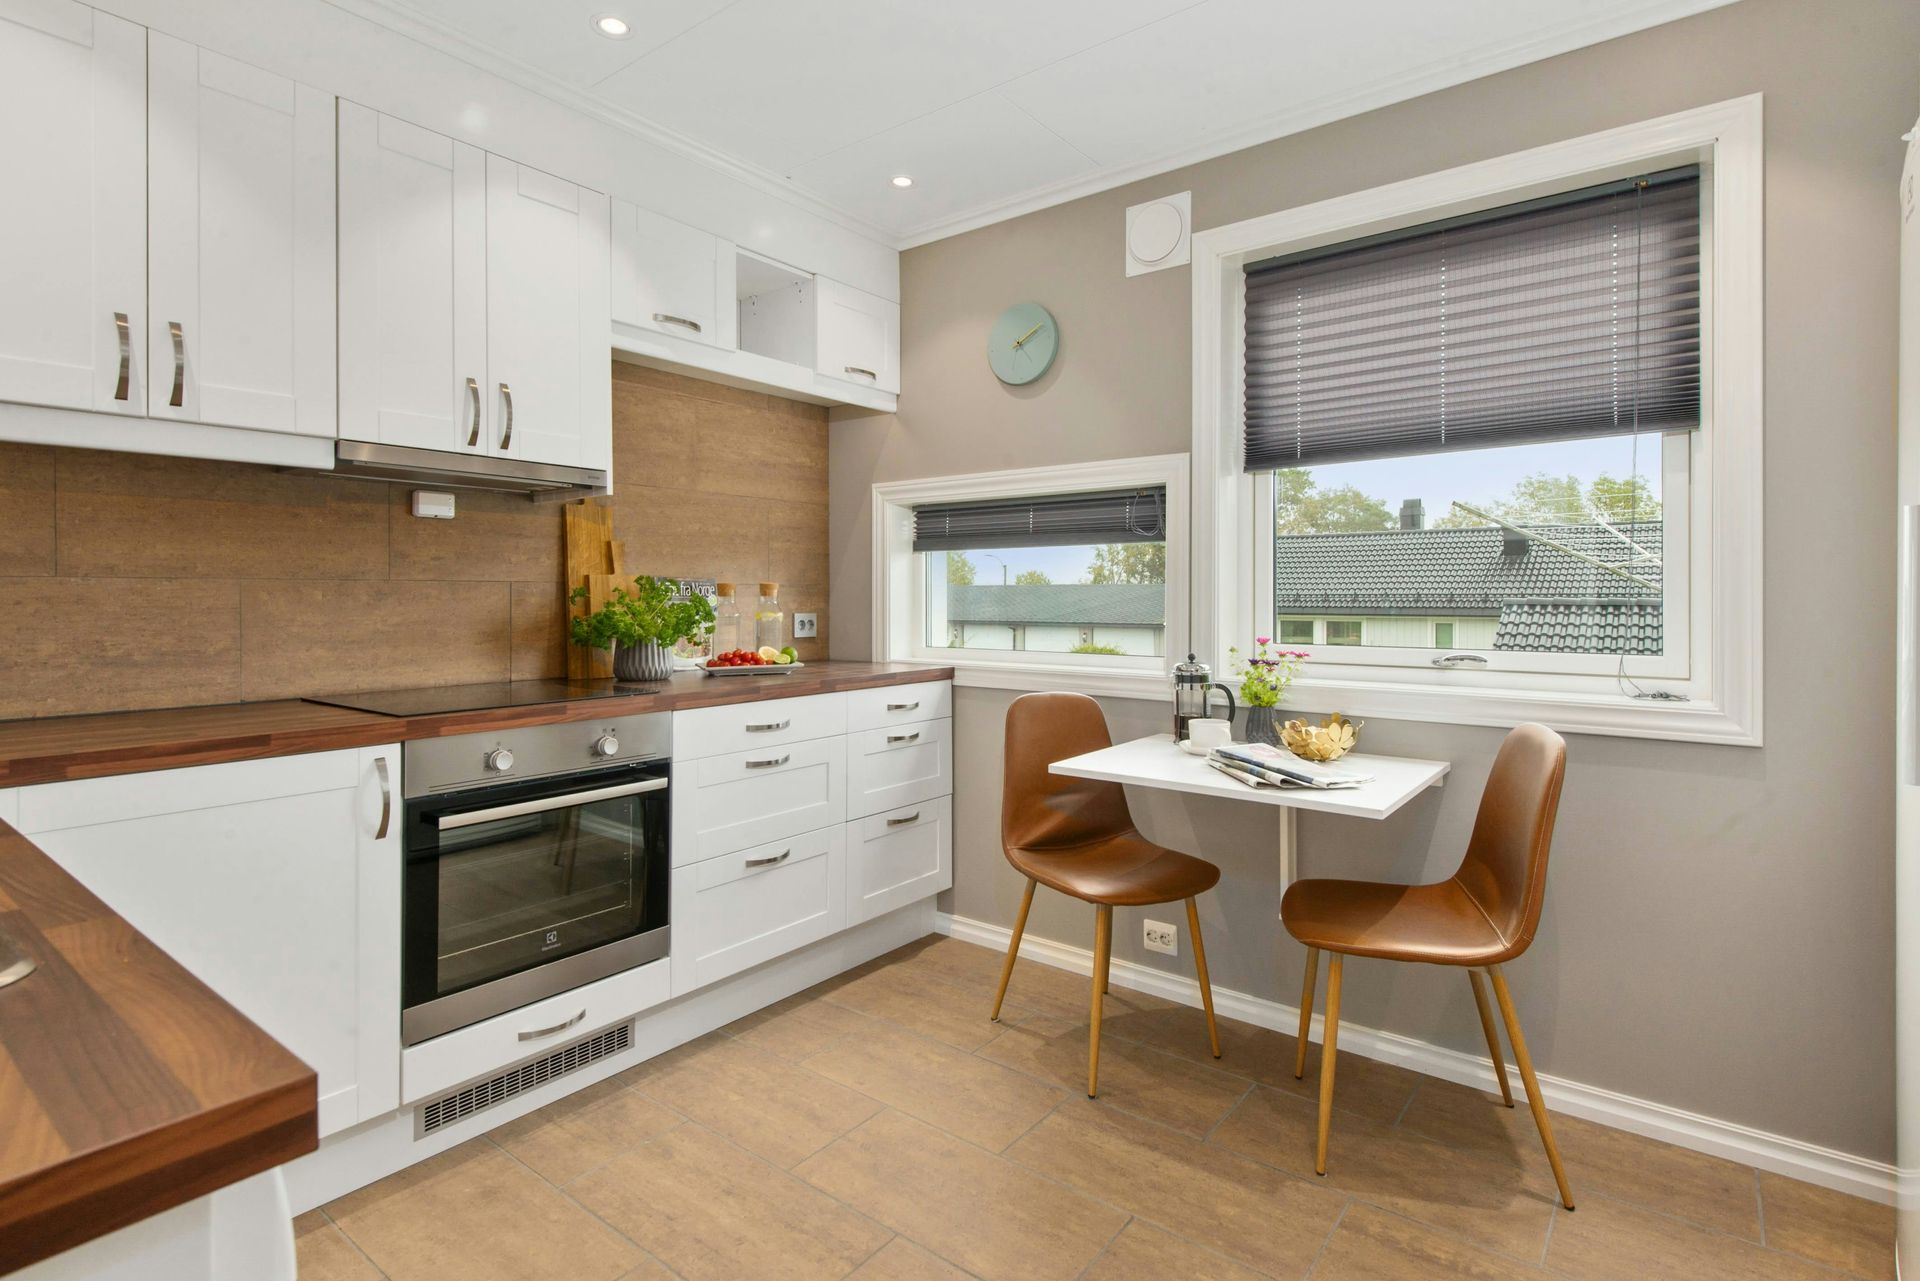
1506	864
1039	810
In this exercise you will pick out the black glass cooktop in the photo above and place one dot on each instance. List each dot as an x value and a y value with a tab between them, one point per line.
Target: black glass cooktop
435	699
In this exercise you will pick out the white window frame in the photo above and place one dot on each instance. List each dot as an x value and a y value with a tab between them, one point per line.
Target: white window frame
899	603
1716	697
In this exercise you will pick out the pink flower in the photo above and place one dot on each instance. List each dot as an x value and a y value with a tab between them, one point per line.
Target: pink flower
1262	640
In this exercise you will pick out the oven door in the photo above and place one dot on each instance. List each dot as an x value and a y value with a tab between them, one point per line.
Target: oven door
524	890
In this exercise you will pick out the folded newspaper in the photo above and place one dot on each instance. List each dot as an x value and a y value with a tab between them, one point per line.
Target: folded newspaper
1259	765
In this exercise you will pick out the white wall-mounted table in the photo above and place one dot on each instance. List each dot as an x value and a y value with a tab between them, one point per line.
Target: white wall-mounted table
1158	762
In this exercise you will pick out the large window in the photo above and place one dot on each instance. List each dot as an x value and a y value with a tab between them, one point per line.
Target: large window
1493	436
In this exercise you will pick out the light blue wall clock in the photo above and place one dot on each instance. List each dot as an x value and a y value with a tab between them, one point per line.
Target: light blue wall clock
1022	343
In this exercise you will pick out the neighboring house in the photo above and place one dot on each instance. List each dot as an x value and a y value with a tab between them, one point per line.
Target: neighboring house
1480	588
1057	617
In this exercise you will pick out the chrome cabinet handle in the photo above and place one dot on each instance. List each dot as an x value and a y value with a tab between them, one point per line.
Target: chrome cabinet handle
536	1033
14	964
769	727
904	819
179	363
903	738
903	707
855	369
781	857
778	760
126	355
506	439
473	390
386	798
1460	660
662	318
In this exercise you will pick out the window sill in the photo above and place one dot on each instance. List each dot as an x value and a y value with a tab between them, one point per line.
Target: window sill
1044	677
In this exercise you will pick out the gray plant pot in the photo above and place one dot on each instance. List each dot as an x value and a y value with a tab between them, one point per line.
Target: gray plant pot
1263	725
646	662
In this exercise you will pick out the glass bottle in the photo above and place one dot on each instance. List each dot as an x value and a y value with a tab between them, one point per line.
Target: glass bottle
726	620
769	624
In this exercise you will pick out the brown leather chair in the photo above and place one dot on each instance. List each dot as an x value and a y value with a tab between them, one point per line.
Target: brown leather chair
1077	836
1482	917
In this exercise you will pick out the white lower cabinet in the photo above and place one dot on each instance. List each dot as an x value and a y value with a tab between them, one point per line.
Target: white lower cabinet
727	803
898	765
898	857
275	882
733	912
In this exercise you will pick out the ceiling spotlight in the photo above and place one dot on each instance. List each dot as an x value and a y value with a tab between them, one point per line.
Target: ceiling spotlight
611	27
902	180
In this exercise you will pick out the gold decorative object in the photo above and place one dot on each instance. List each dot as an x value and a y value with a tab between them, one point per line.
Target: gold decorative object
1328	742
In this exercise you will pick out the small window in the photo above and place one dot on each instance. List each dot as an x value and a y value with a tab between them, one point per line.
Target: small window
1343	631
1443	635
1296	631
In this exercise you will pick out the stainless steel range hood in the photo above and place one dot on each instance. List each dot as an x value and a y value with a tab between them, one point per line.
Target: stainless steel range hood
539	481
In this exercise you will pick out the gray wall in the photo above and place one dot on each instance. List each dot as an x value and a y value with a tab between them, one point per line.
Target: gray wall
1719	934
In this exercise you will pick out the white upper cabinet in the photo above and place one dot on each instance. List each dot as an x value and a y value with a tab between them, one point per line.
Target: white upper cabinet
240	174
858	336
549	387
672	278
413	286
73	260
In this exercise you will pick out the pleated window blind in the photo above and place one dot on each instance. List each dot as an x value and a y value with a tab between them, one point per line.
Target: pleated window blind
1573	316
1058	520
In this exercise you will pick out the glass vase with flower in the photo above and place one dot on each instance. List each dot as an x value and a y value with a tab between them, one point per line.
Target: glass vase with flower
1265	675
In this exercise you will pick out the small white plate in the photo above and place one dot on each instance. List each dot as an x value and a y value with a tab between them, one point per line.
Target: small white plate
758	669
1191	748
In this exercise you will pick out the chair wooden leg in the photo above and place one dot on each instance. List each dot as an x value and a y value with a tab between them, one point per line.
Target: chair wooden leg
1493	1037
1534	1101
1306	1013
1013	949
1102	955
1200	967
1328	1050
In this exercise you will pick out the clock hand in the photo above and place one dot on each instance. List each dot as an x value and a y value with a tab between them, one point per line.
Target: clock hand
1021	340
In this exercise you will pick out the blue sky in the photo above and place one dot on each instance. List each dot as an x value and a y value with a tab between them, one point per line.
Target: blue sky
1473	476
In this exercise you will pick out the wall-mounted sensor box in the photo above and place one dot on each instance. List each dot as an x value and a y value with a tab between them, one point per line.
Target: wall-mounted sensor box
431	505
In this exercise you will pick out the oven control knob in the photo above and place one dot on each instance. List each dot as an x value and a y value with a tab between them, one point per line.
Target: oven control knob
606	745
500	760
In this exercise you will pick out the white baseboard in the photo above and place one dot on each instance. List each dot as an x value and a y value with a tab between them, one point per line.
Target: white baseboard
1841	1171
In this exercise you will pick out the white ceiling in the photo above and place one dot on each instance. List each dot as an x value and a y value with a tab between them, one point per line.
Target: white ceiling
999	106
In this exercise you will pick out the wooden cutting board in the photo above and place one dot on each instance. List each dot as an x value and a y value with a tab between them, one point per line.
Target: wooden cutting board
594	560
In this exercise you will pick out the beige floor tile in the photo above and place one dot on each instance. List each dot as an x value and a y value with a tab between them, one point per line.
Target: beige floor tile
473	1213
1145	1253
925	1004
651	1270
322	1252
1134	1078
1598	1158
1607	1240
1245	1050
563	1140
1848	1232
767	1105
712	1211
798	1026
1215	1198
994	1218
963	1094
1490	1203
1045	989
1372	1245
1364	1086
902	1260
678	1057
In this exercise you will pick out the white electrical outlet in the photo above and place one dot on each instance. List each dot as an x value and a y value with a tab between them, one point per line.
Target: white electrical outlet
806	626
1162	937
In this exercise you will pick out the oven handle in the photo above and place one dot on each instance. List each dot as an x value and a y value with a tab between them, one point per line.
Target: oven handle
446	822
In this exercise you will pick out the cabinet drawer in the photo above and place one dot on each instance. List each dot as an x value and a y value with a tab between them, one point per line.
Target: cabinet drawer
899	765
898	704
485	1048
714	731
733	912
52	807
898	857
726	803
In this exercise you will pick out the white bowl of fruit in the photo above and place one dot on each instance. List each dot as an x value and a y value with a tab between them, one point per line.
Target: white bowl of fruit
765	661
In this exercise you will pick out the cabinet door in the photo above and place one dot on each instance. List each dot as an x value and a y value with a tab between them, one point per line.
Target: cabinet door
276	882
241	243
898	857
413	285
548	318
734	912
859	336
73	223
672	278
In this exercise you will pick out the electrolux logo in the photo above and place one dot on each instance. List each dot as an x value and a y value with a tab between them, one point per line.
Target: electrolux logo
553	940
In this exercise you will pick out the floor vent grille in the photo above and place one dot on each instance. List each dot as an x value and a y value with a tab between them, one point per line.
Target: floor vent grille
481	1095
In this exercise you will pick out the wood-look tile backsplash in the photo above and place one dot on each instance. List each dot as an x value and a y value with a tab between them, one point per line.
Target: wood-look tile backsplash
131	581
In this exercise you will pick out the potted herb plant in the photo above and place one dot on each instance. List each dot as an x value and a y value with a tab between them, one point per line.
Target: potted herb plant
642	626
1264	677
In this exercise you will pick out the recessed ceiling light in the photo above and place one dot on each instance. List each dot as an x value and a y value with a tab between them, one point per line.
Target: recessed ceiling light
611	27
902	180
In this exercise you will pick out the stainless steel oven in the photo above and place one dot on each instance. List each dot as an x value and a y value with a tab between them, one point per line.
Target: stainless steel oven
536	861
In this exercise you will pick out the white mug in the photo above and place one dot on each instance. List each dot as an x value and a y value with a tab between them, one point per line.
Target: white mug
1209	733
